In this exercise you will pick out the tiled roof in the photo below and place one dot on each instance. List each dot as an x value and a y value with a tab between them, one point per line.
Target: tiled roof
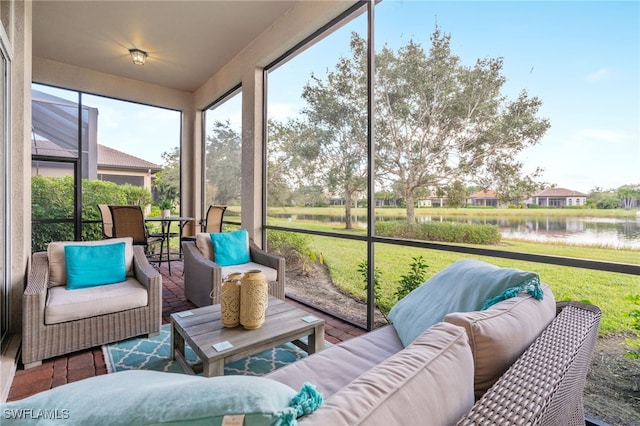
109	157
559	192
484	194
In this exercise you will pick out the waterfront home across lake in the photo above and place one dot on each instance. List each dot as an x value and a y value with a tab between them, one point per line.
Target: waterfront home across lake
559	197
487	198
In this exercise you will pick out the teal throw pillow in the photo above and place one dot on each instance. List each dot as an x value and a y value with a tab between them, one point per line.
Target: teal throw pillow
464	286
140	397
91	266
231	248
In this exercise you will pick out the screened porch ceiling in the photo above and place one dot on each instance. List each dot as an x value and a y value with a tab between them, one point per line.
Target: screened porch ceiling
187	41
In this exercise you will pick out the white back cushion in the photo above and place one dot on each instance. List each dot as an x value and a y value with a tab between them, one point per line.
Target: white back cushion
58	266
204	244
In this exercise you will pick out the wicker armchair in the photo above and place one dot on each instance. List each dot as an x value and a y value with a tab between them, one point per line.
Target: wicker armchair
203	277
43	338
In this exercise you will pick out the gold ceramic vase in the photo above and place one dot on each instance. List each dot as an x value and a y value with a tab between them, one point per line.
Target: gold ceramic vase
230	301
254	298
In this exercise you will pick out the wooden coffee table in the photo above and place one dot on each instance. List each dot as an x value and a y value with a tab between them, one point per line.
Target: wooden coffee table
201	328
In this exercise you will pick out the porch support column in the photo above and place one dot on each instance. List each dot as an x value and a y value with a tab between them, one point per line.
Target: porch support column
191	168
252	149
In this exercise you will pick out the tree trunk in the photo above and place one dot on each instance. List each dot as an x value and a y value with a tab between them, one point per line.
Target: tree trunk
347	211
411	209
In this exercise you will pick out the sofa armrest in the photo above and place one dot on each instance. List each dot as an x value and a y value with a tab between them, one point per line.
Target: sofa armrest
546	384
33	303
150	278
262	257
272	261
146	274
35	294
200	276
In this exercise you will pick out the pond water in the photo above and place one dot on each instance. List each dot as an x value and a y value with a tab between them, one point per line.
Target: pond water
605	232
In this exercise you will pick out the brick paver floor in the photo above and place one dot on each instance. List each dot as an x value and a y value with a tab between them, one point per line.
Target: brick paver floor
80	365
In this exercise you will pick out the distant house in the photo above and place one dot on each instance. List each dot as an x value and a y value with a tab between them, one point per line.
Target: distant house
119	167
111	165
483	199
55	134
559	197
389	202
432	201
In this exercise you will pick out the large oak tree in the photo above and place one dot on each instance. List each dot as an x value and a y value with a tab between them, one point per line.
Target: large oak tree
438	122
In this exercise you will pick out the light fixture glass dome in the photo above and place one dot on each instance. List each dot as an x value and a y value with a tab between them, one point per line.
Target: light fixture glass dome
138	56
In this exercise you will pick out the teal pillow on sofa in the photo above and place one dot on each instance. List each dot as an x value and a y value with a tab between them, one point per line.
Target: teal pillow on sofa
464	286
231	248
140	397
91	266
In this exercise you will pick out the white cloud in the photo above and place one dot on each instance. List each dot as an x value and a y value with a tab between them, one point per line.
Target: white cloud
602	135
282	111
110	117
156	114
601	74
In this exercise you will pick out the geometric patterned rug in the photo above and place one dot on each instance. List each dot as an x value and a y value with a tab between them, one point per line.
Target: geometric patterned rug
153	354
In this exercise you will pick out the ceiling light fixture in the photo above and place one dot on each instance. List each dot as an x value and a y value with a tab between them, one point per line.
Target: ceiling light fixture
138	56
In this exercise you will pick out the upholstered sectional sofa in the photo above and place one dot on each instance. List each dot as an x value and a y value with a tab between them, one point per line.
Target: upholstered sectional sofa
522	361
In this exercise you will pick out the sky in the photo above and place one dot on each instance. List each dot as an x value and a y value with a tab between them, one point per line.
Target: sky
580	58
140	130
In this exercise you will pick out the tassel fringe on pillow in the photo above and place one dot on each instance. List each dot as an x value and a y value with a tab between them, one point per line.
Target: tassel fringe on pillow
305	402
532	286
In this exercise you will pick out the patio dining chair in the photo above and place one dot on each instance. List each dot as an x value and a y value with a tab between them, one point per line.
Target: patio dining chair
211	223
128	221
107	221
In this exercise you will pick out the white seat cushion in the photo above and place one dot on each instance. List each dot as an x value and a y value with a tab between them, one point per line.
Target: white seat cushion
68	305
270	274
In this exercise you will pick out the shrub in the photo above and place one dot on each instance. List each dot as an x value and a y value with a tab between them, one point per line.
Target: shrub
383	302
413	279
634	344
608	203
53	198
408	282
292	246
440	231
396	228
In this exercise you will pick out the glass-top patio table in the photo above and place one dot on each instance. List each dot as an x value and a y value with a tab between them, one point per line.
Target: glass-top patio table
165	233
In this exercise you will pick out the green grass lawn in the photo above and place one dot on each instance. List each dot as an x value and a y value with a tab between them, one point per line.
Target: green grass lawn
467	211
605	289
